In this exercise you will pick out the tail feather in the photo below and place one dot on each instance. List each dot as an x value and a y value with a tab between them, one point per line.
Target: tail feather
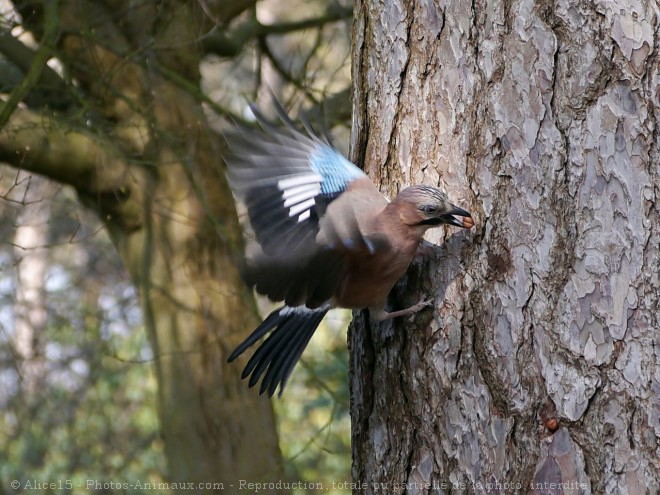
269	351
259	332
264	353
290	331
281	371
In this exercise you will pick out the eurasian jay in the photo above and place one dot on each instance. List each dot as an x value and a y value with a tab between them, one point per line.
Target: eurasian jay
327	238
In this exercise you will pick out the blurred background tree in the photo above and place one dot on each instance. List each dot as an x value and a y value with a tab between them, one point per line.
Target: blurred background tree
539	363
120	296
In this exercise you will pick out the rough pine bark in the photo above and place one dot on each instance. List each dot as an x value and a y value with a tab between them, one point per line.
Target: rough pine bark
539	363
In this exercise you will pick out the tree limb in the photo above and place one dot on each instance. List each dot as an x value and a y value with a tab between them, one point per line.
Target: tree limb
95	168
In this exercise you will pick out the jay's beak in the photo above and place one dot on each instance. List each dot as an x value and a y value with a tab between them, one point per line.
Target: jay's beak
450	218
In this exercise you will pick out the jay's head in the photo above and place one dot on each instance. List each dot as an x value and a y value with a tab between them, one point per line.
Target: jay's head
426	207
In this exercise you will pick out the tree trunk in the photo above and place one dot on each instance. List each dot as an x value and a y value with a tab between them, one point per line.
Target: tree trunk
30	316
539	364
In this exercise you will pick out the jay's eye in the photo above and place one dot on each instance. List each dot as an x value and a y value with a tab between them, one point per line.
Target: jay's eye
430	210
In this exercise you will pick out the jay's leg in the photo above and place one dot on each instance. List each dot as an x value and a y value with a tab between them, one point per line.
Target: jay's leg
379	314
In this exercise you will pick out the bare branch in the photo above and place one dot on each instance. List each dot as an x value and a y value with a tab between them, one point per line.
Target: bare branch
281	70
229	44
334	14
222	11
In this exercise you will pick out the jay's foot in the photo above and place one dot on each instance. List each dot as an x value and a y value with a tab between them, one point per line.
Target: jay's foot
384	315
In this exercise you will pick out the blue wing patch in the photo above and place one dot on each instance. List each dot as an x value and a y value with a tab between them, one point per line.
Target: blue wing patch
337	171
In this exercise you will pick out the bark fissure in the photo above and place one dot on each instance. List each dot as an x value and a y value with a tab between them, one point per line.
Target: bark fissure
390	159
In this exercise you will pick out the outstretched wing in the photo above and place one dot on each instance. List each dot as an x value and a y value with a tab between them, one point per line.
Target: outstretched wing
286	179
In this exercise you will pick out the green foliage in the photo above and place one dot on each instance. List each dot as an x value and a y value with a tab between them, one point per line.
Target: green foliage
80	404
101	426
